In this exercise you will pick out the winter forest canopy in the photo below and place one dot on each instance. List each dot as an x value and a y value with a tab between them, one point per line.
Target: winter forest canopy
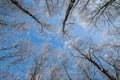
59	39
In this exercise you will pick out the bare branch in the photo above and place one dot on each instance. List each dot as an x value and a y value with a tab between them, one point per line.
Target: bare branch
27	12
67	14
102	9
11	47
108	74
66	71
6	23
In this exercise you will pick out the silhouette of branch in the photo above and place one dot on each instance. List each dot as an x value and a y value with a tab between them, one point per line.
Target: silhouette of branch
27	12
67	14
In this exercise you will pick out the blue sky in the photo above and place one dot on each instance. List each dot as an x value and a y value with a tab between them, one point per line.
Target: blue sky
38	37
